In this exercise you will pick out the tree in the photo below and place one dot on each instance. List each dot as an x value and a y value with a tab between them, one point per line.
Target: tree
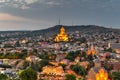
24	53
71	55
17	44
108	66
114	75
83	40
83	54
41	64
70	77
63	65
52	56
80	70
44	56
25	64
35	51
91	64
28	74
2	55
44	63
3	77
8	46
90	57
109	50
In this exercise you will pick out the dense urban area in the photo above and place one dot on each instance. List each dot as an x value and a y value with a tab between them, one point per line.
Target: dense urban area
73	55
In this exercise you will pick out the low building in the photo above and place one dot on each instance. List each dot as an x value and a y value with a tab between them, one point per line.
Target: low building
93	72
52	73
116	66
33	58
116	47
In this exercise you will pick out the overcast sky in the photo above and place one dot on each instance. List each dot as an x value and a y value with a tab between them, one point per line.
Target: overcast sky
40	14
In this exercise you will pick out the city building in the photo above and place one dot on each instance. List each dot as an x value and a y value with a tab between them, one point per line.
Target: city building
62	36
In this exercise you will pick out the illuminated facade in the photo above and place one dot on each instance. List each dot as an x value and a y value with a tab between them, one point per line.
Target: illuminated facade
52	73
62	36
24	41
32	58
91	50
52	70
102	75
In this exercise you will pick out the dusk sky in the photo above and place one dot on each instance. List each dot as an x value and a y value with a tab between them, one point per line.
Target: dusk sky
41	14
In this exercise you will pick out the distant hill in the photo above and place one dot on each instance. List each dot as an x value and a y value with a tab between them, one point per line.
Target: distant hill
52	31
83	28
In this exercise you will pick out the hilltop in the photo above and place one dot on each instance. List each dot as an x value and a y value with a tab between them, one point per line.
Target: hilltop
83	28
52	31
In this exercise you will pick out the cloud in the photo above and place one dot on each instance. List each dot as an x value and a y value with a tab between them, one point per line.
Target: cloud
30	1
25	4
11	22
2	1
8	17
19	1
11	18
53	3
22	4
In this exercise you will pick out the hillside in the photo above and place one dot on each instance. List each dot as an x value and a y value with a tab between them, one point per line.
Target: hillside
83	28
52	31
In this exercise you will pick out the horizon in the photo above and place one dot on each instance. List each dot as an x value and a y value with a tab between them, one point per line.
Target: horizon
57	25
42	14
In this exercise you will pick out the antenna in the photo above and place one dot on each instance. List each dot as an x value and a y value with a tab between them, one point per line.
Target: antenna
59	20
72	23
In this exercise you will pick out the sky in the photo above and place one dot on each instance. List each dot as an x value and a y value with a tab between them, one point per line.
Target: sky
41	14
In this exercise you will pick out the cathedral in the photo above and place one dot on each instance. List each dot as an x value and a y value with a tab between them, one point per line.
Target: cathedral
62	36
91	50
